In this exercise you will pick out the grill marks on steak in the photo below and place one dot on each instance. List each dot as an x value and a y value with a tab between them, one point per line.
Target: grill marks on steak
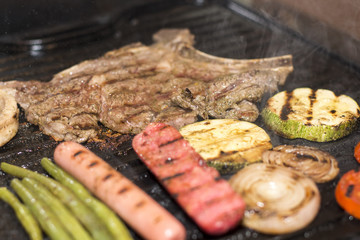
199	190
130	87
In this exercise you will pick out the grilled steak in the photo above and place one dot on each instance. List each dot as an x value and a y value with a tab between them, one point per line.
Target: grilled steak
168	81
206	198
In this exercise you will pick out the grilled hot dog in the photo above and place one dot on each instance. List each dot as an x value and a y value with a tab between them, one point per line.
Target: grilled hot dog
132	204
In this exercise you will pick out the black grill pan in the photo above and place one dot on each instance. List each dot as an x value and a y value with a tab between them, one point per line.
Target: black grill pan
221	28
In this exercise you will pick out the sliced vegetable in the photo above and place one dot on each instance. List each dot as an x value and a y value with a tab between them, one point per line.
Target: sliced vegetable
9	116
317	164
24	215
132	204
315	115
347	193
70	223
227	144
357	152
278	200
47	219
85	215
112	221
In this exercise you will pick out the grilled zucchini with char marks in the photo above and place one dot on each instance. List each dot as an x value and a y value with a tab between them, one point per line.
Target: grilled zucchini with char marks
315	115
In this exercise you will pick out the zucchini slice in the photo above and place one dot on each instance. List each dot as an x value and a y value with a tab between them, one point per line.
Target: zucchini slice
227	144
315	115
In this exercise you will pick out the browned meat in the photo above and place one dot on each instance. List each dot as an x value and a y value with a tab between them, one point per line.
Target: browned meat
206	198
130	87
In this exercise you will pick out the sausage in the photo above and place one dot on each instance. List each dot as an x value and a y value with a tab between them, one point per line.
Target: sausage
134	206
199	189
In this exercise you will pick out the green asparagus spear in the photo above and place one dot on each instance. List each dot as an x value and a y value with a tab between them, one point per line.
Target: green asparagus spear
24	215
71	224
87	217
112	221
47	219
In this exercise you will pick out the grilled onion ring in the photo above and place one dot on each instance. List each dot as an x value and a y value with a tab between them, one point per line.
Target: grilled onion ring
278	200
313	162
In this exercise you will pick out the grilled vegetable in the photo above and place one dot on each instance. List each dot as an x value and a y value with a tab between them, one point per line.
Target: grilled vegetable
48	220
80	210
111	220
198	188
315	115
347	193
278	200
24	215
133	205
9	116
70	223
313	162
357	152
227	144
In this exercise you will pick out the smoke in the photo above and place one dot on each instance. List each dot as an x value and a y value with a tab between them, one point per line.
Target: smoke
328	25
322	36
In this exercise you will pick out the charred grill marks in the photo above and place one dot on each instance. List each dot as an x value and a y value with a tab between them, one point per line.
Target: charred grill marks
110	175
140	204
134	85
312	98
93	164
123	190
172	177
78	153
170	142
306	156
163	127
286	109
157	219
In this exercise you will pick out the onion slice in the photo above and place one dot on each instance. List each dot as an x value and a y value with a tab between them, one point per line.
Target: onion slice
278	200
317	164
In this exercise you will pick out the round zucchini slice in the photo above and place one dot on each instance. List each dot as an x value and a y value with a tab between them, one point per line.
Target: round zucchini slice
227	144
315	115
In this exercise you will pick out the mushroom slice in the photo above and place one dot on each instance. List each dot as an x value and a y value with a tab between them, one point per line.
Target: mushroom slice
317	164
278	200
9	116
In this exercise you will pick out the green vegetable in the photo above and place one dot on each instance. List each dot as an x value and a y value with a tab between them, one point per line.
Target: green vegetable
111	220
47	219
85	215
24	215
71	224
315	115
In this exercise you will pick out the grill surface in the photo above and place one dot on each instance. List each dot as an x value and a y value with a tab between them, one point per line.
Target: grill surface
220	28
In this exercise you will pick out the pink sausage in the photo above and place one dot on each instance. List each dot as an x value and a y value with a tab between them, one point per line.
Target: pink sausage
132	204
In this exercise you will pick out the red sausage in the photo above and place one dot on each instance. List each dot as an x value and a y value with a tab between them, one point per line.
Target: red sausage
207	199
132	204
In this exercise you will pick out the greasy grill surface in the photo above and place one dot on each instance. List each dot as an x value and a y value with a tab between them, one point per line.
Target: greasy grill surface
219	31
